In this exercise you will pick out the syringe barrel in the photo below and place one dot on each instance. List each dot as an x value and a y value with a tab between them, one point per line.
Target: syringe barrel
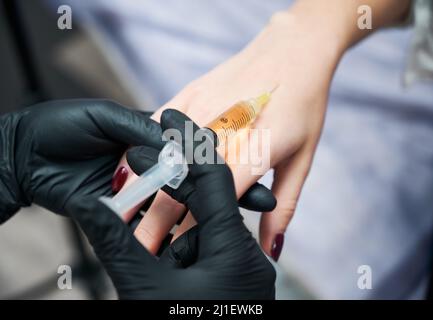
228	123
239	116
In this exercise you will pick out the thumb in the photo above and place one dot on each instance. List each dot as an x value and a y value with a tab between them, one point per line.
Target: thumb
289	177
126	126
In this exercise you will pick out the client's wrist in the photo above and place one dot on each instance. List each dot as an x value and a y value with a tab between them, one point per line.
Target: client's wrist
329	36
290	39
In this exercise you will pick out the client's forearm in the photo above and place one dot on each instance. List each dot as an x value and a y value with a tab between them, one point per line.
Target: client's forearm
341	17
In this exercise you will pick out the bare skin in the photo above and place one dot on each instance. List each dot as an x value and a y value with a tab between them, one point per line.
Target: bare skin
299	50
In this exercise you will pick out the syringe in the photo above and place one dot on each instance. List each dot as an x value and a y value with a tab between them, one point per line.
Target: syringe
238	116
172	168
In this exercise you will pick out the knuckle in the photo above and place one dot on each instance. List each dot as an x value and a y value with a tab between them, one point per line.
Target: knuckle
146	238
286	209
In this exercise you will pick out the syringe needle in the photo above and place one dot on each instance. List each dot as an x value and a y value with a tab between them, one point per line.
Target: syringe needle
274	88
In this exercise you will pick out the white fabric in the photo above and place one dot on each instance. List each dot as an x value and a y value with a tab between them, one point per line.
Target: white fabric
420	64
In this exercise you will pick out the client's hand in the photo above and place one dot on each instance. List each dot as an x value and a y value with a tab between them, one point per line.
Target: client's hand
298	50
217	259
56	152
298	57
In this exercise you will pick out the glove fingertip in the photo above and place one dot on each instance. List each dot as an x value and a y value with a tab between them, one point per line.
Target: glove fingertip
141	158
258	198
172	118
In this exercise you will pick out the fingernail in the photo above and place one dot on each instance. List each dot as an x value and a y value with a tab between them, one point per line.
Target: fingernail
119	179
277	246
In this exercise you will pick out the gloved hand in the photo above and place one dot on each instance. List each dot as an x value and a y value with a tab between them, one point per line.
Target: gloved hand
56	152
217	259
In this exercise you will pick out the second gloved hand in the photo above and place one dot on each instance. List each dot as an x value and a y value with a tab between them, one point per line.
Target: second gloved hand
217	259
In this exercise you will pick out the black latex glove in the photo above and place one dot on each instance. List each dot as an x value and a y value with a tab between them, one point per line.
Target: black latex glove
217	259
56	152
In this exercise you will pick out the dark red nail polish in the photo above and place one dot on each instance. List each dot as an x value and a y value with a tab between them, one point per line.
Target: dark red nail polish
119	179
277	246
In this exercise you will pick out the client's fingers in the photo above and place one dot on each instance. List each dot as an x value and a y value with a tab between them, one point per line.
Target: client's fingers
164	212
158	221
289	177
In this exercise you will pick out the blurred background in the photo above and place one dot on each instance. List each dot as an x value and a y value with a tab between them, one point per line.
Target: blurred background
368	200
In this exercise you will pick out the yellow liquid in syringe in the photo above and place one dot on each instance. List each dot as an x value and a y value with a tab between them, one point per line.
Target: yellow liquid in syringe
239	116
